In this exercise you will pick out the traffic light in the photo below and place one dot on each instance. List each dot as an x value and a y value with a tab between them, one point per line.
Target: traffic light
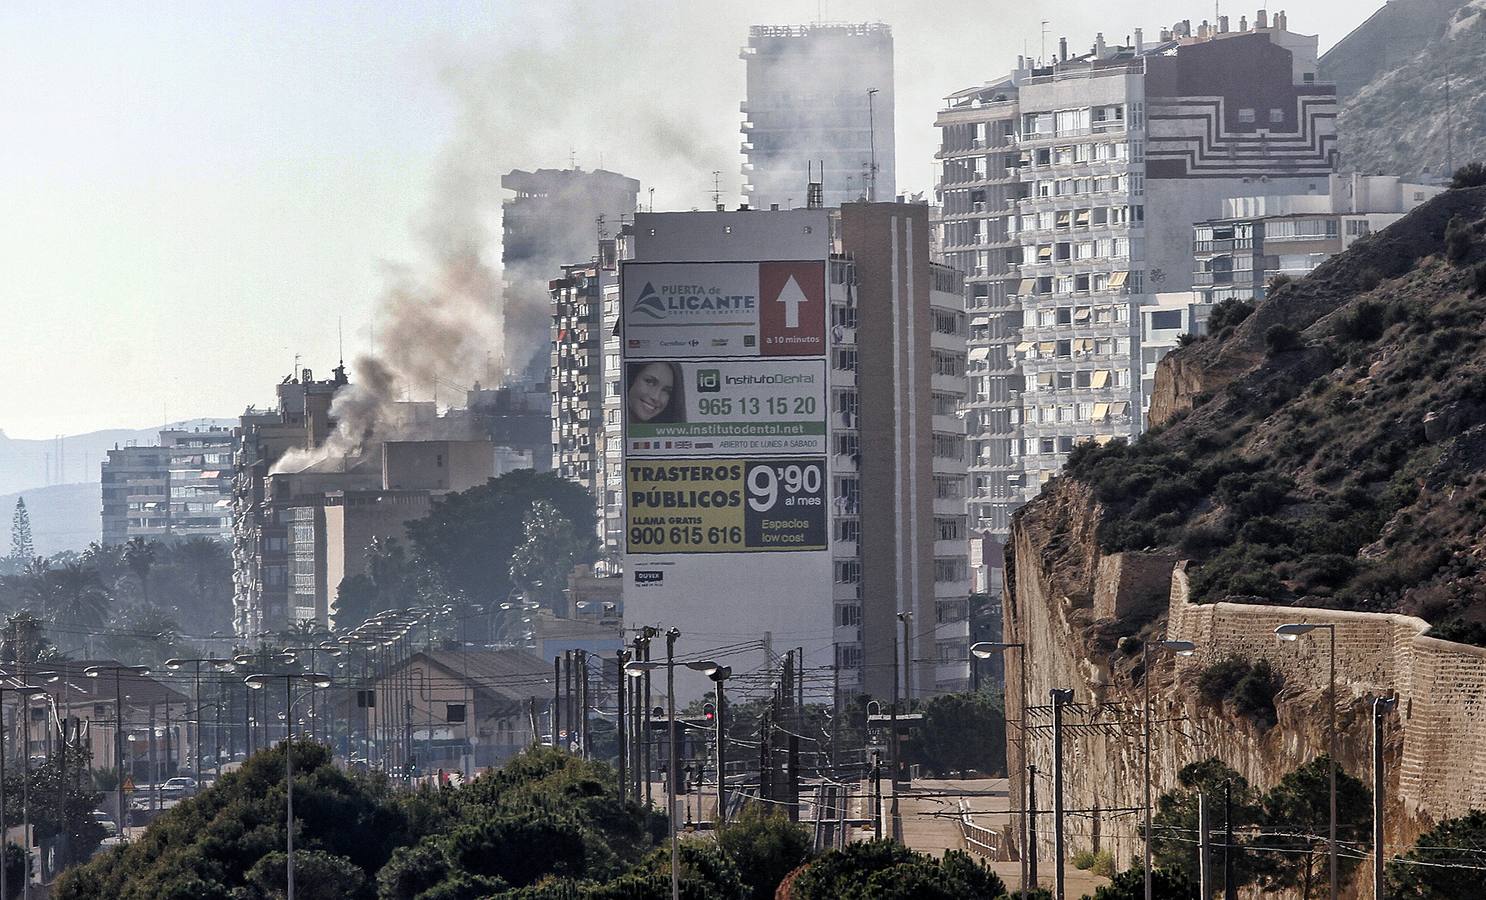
710	712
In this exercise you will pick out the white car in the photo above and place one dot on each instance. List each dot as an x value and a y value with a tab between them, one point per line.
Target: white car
107	821
179	786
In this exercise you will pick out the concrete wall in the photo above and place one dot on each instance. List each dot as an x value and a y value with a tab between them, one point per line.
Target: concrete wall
353	520
437	465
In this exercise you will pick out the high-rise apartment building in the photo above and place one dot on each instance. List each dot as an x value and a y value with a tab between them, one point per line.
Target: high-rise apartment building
1088	203
578	373
777	490
554	218
820	98
178	489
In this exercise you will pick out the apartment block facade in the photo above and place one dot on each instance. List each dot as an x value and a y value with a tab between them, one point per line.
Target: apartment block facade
1069	189
1237	253
808	109
175	490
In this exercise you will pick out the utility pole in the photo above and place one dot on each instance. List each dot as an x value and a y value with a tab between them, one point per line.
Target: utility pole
1380	708
1032	826
619	723
872	145
1230	890
1204	849
1060	696
877	795
556	698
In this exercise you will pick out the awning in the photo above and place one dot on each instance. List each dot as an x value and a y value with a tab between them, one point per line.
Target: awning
1101	378
1027	287
1024	346
1101	411
1045	379
979	353
1045	252
1046	347
1084	344
1082	314
1102	439
211	473
1120	409
1064	218
1117	280
1082	218
222	504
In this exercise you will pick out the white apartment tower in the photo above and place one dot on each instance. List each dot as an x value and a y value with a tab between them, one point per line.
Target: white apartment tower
820	97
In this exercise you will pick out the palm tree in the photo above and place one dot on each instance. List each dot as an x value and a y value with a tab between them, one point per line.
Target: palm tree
80	598
139	556
38	589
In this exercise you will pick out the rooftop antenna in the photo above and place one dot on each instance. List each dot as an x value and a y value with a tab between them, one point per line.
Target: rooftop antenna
872	145
716	188
572	157
652	199
340	339
1042	57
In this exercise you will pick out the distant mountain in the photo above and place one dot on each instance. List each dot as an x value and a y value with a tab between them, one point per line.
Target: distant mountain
1391	74
63	517
72	459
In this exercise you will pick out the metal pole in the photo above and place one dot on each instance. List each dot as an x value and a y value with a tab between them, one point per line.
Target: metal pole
196	743
877	796
1380	707
1032	825
1059	697
25	800
671	636
289	786
649	733
892	741
1230	890
1204	849
1145	656
556	696
118	745
1331	737
721	756
619	723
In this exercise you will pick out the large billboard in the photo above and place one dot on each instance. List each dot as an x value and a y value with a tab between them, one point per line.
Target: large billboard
724	407
724	309
725	505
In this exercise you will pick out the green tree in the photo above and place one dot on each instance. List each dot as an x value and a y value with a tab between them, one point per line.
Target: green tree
1130	885
143	634
25	641
62	801
21	545
1175	821
886	870
469	539
960	732
1445	862
765	846
1297	814
317	876
79	598
549	549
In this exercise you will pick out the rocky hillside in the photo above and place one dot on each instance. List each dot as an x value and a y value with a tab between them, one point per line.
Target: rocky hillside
1395	122
1328	449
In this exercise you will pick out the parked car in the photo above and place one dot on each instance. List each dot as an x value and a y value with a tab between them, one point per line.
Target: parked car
110	829
179	786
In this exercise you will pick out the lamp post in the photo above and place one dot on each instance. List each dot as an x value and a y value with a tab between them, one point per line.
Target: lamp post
259	682
1179	648
195	664
1380	708
1060	697
893	746
1292	632
637	669
291	654
985	650
718	673
31	692
96	672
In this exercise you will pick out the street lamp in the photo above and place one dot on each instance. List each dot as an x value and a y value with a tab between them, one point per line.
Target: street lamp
1177	648
31	692
718	673
637	669
95	672
259	682
985	650
1292	632
175	665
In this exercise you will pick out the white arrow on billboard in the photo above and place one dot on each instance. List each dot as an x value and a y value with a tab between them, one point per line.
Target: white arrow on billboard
791	296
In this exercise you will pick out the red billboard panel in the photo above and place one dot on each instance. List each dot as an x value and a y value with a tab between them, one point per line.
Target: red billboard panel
792	308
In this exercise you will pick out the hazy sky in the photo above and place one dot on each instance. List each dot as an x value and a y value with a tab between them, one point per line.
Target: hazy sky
194	193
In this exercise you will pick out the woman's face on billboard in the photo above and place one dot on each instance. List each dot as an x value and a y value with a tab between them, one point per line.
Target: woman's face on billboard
650	393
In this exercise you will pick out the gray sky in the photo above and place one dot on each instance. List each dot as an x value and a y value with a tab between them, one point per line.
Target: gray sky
196	192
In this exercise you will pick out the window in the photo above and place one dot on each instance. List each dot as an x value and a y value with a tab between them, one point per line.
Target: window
1246	116
848	571
946	611
1276	117
948	446
949	528
1166	319
948	364
454	712
848	615
848	656
946	404
947	570
948	487
849	530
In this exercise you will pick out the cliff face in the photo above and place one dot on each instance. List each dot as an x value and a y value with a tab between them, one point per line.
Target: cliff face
1325	462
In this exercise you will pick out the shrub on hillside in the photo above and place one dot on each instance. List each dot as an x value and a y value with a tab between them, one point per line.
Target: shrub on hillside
1480	279
1280	338
1457	240
1472	174
1228	314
